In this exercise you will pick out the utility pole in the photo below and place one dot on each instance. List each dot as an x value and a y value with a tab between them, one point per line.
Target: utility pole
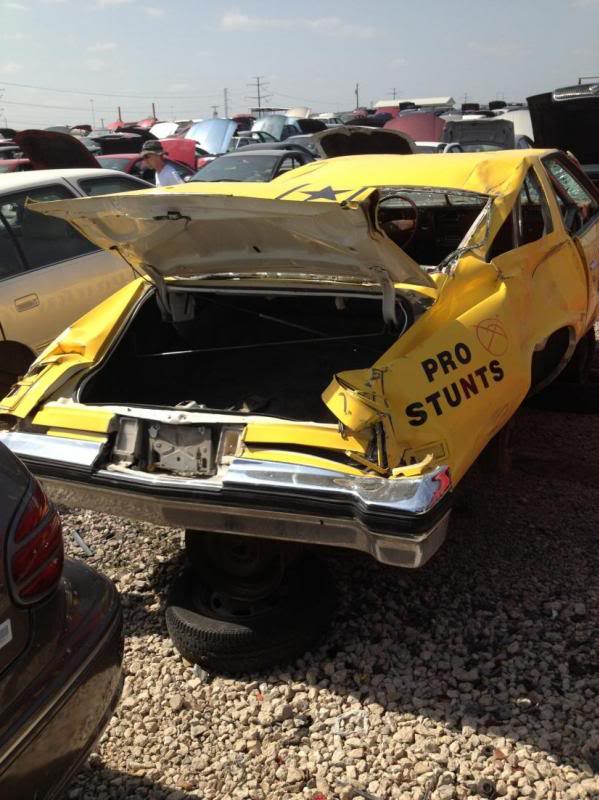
259	96
120	118
215	111
357	93
226	102
154	112
394	93
93	114
102	123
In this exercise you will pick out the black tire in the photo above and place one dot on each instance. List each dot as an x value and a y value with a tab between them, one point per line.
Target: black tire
298	616
579	367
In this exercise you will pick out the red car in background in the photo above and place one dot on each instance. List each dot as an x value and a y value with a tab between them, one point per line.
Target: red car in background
422	126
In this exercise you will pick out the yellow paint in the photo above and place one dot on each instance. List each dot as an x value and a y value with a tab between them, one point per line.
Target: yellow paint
74	417
293	457
283	433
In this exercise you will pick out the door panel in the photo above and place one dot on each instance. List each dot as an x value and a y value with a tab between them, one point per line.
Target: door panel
587	242
64	276
65	292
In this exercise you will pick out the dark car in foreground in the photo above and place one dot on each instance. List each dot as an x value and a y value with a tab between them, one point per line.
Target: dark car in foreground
255	166
60	645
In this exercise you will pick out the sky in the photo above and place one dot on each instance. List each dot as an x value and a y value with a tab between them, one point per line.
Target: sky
76	61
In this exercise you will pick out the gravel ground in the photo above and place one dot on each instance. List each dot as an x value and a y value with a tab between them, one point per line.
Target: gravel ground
482	665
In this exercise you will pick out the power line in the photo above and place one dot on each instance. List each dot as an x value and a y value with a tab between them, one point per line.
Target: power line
260	95
112	94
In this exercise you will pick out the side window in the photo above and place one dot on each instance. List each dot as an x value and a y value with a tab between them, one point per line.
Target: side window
530	219
110	185
533	215
43	240
10	258
570	191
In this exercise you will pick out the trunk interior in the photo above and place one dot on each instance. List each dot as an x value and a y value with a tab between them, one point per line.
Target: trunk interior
249	352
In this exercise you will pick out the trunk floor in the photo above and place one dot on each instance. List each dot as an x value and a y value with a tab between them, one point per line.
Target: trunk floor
284	381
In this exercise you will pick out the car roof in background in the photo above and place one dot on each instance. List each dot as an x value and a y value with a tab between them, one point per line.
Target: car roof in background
13	181
265	150
104	156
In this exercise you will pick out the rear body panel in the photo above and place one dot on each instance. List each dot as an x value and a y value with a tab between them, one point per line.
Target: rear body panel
57	702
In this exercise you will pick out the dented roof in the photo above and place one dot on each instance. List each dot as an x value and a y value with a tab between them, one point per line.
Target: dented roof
338	179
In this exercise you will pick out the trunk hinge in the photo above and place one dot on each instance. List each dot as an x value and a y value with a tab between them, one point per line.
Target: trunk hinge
389	298
158	281
161	292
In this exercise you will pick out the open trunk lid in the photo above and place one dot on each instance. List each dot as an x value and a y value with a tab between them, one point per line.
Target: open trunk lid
213	135
355	140
52	150
191	237
568	119
493	132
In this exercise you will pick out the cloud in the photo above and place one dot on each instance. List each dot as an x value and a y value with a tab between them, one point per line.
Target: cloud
94	64
101	47
325	26
14	6
154	11
398	62
54	2
584	3
111	3
13	37
10	67
500	49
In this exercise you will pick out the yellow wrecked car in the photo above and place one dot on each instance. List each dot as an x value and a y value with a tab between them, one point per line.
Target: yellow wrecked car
313	361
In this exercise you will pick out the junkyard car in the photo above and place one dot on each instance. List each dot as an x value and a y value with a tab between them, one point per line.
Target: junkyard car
285	371
60	645
50	274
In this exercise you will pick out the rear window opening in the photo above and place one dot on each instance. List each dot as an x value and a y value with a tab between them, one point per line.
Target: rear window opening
442	220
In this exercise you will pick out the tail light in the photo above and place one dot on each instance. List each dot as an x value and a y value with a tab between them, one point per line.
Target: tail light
201	162
36	553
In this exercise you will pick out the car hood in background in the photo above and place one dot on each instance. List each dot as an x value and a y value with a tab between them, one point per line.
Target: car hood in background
213	135
273	124
421	126
52	150
354	140
568	119
183	150
164	130
498	132
112	143
189	237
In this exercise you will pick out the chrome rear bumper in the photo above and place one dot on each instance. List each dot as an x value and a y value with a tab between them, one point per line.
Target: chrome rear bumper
402	521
